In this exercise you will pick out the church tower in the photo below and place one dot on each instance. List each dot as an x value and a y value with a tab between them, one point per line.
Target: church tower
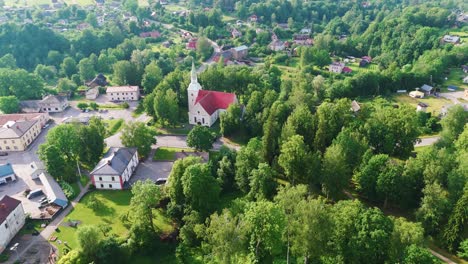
193	88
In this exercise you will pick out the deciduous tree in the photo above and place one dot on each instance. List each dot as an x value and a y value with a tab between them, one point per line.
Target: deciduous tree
137	134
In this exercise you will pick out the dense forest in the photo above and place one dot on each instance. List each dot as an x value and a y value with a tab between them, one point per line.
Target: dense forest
314	181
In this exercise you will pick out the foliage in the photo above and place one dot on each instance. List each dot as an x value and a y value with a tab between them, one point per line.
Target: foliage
230	121
88	236
166	110
200	138
137	134
9	104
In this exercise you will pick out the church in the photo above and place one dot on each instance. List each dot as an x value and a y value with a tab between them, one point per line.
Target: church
206	106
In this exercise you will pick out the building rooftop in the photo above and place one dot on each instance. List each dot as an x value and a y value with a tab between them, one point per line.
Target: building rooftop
114	162
16	129
118	89
6	170
214	100
53	99
7	205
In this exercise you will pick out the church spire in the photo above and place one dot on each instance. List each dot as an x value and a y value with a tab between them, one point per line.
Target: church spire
194	78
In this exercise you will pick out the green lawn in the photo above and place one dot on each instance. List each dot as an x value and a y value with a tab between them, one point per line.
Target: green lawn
174	7
32	225
76	190
114	205
434	104
168	153
421	149
84	180
113	126
455	77
179	130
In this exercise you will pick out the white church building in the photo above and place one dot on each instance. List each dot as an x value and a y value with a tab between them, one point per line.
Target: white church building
206	106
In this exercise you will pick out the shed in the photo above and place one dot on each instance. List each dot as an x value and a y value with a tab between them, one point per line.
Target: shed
7	174
53	190
421	107
427	89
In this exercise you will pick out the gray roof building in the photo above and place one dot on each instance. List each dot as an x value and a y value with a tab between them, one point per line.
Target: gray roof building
114	162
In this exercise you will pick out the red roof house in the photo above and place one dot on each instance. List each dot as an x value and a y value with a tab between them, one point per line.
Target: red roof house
212	101
347	70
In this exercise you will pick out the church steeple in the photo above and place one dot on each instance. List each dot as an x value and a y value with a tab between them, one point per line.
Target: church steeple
194	78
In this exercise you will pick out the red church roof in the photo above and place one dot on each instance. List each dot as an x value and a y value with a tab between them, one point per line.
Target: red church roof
213	100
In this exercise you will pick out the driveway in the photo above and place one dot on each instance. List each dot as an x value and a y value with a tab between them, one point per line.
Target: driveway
427	141
180	141
152	170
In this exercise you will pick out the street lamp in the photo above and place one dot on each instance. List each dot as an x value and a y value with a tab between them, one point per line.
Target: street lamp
15	248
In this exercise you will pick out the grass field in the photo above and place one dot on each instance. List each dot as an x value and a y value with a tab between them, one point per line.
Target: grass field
168	153
113	126
114	205
455	77
434	104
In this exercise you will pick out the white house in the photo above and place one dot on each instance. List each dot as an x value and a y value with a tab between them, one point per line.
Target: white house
336	67
92	93
53	104
115	168
7	174
36	169
206	106
451	39
123	93
12	219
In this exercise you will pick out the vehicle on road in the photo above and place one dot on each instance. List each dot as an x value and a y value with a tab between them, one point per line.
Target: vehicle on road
161	181
3	154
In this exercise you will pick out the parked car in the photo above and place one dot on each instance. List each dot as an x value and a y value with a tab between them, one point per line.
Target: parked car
35	193
3	154
161	181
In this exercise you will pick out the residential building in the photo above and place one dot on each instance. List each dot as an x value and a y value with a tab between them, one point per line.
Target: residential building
18	131
416	94
150	34
53	104
30	106
427	89
236	33
422	107
355	107
240	52
12	219
92	93
115	168
99	80
303	40
336	67
451	39
123	93
206	106
277	45
253	18
192	44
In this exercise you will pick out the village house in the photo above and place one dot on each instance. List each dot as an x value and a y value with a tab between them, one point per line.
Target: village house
206	106
12	219
421	107
416	94
191	44
303	40
92	94
253	18
53	191
239	53
451	39
236	33
151	34
99	80
115	168
123	93
427	89
53	104
7	174
18	131
30	106
336	67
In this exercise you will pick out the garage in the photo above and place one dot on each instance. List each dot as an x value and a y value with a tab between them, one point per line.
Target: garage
6	173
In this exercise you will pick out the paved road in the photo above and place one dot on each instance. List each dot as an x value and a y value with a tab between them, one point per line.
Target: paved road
427	141
179	141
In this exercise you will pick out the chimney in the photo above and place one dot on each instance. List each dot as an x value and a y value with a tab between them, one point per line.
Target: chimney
3	206
109	162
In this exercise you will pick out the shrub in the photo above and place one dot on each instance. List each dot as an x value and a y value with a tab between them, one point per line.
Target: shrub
94	203
67	189
125	105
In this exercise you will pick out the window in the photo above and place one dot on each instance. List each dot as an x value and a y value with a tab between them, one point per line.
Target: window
102	185
203	120
199	112
0	148
100	178
7	147
48	109
15	147
4	141
110	185
13	141
195	119
56	109
6	225
113	179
